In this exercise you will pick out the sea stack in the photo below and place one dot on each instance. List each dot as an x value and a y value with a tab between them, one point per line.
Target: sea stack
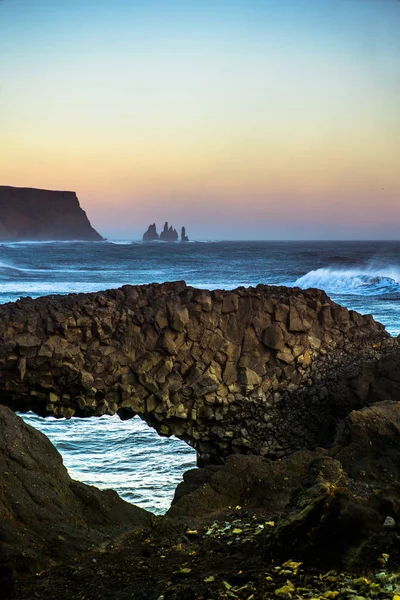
168	234
151	234
40	215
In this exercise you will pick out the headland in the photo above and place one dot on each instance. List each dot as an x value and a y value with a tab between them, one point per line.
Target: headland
28	214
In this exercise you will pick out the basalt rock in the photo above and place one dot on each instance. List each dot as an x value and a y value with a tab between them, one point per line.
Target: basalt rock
257	527
32	214
266	370
332	508
45	516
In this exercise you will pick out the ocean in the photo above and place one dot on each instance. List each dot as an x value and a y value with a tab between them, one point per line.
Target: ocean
128	456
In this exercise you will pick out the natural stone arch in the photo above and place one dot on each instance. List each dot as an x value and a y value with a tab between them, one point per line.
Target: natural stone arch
253	370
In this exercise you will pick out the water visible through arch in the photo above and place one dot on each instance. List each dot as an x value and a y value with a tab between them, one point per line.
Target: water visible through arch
126	456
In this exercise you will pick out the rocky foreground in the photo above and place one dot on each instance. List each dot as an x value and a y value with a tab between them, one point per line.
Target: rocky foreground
307	507
265	370
317	524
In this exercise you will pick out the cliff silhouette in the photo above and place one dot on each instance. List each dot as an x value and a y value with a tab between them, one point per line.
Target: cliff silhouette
38	215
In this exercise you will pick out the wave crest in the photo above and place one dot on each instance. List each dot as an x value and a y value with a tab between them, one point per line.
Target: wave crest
8	272
361	282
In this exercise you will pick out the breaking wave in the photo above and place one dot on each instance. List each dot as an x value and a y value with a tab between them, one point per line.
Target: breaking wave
8	272
356	281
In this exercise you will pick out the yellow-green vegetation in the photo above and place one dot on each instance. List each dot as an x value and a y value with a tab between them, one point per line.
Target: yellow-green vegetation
301	584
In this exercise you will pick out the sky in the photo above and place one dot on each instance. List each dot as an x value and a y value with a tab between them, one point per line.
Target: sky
240	119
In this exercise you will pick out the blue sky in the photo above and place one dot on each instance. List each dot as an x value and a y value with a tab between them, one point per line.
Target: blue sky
241	119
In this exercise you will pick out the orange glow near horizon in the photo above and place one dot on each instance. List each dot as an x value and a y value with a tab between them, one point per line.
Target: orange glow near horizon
234	133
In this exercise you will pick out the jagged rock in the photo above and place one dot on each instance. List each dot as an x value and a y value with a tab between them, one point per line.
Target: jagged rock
184	237
168	234
45	516
317	523
205	362
151	234
328	506
32	214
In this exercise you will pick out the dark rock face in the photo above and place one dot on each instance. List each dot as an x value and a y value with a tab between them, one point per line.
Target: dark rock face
45	516
336	508
151	234
168	234
31	214
184	237
242	527
263	370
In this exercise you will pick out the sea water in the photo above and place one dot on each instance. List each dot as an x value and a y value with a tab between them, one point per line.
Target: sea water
128	456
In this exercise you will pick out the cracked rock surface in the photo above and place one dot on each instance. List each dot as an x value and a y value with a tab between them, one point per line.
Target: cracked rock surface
265	370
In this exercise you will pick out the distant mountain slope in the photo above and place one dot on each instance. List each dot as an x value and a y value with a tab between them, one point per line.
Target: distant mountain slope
33	214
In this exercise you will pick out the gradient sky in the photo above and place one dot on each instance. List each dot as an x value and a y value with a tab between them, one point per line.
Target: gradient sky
241	119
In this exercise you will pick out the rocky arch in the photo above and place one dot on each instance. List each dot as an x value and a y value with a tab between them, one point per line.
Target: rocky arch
254	370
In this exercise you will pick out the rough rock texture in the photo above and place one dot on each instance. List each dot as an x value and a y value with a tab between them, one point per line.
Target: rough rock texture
151	234
256	528
45	516
31	214
336	508
263	370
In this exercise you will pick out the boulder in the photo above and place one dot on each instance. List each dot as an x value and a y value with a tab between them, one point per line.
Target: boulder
331	508
273	337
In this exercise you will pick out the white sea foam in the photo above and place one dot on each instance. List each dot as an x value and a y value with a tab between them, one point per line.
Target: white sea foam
122	242
365	281
141	466
8	271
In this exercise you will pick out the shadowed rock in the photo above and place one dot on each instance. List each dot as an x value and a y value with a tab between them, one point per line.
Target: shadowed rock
337	508
263	370
168	234
184	237
151	234
46	516
31	214
244	525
